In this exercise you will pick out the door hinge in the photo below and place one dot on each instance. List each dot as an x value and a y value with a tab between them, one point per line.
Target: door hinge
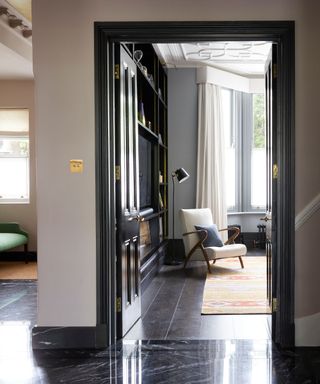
117	71
275	171
274	71
118	304
274	304
117	172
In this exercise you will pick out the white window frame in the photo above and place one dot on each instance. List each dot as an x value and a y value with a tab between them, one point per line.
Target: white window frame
242	126
18	135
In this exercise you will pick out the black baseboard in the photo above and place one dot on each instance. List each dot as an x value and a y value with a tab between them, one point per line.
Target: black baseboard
18	256
175	250
152	266
69	337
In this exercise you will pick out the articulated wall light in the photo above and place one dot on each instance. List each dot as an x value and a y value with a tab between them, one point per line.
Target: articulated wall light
181	175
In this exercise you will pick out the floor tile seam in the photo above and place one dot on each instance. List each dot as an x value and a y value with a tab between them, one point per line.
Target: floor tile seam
152	301
175	310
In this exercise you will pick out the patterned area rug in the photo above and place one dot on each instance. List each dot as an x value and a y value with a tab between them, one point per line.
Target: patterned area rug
230	290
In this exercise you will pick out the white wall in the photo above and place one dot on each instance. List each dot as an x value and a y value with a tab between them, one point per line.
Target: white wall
64	70
20	94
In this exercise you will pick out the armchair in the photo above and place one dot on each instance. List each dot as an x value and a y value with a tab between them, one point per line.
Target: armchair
194	239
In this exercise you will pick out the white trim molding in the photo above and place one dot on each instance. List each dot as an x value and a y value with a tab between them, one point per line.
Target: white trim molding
230	80
307	212
307	331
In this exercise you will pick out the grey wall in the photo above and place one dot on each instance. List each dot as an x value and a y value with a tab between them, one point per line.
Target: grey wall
182	133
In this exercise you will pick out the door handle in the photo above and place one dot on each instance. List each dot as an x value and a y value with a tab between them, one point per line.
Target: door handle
137	217
266	218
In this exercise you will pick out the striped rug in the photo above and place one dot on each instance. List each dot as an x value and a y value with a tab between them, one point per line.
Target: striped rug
229	289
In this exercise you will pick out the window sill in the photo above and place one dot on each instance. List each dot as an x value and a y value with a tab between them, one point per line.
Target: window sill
11	201
246	213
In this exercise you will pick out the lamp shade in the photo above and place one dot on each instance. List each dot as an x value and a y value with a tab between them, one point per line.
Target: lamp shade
181	175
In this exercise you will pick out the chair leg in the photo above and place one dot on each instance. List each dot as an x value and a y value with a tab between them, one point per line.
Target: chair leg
241	262
206	258
188	258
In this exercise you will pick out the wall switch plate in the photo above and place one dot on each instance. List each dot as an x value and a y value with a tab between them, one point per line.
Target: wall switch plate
76	166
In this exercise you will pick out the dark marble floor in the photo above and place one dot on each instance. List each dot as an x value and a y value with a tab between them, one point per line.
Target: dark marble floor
144	362
18	300
255	361
171	310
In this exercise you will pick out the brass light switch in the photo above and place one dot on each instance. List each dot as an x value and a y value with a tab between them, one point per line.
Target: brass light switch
76	166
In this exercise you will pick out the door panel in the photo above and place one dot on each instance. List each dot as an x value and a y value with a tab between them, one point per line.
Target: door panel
127	194
271	175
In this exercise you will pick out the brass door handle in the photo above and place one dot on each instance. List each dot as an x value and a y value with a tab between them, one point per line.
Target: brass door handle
266	218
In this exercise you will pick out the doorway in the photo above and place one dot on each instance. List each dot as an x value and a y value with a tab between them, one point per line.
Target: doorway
281	33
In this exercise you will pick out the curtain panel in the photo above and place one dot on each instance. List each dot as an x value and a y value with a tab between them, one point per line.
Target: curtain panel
211	185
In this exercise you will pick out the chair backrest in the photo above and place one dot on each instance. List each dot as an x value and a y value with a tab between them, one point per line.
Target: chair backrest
189	218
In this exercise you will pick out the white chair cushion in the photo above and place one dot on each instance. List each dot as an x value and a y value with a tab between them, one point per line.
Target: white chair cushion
230	250
189	218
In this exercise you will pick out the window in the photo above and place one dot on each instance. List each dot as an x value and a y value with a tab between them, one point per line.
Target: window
258	154
14	156
244	127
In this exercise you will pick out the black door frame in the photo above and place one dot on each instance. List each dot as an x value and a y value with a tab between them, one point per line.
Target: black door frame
106	33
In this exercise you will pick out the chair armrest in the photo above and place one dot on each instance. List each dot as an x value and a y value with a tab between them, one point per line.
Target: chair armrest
201	232
12	228
233	237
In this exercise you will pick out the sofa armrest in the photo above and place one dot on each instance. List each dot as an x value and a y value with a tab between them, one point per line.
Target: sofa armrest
12	228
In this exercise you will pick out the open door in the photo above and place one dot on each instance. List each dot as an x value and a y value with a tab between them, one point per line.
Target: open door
271	182
127	193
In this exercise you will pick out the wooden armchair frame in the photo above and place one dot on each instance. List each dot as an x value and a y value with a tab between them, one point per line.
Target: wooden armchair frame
203	234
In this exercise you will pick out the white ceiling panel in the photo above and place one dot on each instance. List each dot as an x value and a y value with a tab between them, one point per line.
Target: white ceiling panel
245	57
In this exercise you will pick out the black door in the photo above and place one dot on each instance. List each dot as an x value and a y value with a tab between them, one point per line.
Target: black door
127	193
271	175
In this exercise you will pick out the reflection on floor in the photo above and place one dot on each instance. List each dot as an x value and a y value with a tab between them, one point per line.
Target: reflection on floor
148	362
18	300
156	362
171	309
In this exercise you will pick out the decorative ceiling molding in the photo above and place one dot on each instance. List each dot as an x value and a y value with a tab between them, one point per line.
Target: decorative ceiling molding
245	58
23	7
15	20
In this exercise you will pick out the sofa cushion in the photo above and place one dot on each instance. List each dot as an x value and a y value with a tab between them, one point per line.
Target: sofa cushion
12	240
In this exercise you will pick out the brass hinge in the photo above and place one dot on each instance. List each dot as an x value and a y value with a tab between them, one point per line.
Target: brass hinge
118	304
274	304
275	171
117	172
274	71
117	71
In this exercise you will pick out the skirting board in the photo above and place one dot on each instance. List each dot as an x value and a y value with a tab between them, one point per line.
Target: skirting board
18	256
307	330
69	337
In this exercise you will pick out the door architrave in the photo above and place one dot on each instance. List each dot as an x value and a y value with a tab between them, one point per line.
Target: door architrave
107	33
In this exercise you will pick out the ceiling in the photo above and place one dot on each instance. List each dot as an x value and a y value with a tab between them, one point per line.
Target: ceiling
246	58
15	47
13	65
23	7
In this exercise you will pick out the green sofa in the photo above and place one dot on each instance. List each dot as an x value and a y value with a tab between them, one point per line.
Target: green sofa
12	236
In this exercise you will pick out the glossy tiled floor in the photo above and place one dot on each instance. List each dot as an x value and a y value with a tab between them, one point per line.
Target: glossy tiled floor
171	310
254	361
144	362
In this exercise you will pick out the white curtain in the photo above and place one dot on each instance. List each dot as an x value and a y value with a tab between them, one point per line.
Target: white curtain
211	186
